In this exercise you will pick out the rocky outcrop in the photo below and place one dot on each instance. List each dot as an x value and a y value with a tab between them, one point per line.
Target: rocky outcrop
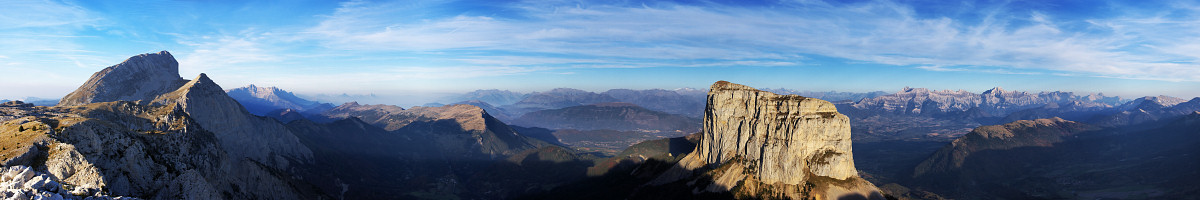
118	148
137	129
141	77
240	133
758	144
497	112
22	182
787	137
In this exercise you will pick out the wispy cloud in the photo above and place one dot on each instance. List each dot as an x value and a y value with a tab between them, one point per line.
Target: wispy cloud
882	32
41	37
224	51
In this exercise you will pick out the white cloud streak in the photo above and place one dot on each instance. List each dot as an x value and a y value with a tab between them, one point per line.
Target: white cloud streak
879	32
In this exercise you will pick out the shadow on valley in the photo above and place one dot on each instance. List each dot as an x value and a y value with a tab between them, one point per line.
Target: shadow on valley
429	160
626	175
1115	163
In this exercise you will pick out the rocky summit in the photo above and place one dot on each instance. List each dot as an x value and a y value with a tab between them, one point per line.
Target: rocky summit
758	144
138	129
141	77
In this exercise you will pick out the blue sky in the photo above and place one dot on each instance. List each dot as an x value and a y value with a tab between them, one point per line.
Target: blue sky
399	48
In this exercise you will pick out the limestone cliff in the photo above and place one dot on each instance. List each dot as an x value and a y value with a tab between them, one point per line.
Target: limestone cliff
137	129
141	77
758	144
240	133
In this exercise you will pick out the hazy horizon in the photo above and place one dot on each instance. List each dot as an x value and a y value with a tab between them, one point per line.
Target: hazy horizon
421	48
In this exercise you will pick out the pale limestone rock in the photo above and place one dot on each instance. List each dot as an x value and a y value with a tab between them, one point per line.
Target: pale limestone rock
239	132
22	182
70	166
196	143
141	77
785	136
758	144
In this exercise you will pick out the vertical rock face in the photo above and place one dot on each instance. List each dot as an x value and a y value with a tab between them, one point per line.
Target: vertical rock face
182	139
761	145
141	77
785	136
240	133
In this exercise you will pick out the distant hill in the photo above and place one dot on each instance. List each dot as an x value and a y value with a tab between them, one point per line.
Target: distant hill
1055	159
555	99
492	96
1024	133
461	129
615	116
674	102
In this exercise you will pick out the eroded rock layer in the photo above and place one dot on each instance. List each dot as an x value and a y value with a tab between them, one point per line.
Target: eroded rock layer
760	145
785	136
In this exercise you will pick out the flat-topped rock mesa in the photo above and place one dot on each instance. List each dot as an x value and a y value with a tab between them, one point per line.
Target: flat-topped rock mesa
141	77
758	144
764	129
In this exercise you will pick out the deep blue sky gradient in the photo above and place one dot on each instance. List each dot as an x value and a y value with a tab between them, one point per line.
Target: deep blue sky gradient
407	50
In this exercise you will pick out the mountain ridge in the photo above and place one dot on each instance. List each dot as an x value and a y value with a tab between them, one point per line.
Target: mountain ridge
141	77
262	100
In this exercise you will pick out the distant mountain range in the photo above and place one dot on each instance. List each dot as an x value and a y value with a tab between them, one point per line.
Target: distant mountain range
994	102
262	100
555	99
35	101
492	96
614	116
832	96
